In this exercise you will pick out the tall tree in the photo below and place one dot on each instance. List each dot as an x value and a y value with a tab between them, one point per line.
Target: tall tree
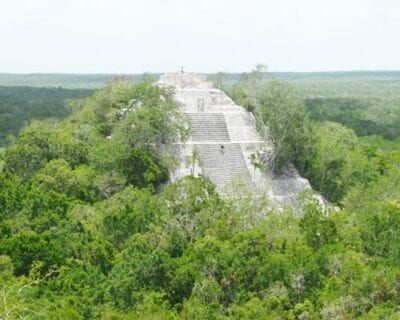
288	124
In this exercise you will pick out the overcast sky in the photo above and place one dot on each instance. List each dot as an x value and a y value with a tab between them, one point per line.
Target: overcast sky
134	36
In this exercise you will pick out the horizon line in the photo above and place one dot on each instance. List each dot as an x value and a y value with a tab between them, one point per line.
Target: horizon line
163	72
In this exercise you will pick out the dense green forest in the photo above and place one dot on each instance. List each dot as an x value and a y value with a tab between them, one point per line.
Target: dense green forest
313	133
21	105
370	105
90	230
367	102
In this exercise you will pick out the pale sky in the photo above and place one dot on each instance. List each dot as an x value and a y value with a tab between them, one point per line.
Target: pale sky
135	36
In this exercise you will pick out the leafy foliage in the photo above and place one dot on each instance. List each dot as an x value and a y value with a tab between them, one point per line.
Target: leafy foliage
89	231
287	121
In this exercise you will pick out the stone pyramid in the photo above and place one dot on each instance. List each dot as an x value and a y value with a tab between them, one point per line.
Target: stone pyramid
224	142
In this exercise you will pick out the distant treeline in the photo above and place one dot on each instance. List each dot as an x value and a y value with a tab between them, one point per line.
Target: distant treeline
366	116
367	102
359	79
20	105
87	81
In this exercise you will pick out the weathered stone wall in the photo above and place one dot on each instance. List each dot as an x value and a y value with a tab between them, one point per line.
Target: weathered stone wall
226	138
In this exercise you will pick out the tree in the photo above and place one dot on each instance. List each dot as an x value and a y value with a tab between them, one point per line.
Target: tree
12	192
31	151
27	247
285	116
193	204
142	266
218	80
330	159
246	91
58	176
128	212
319	229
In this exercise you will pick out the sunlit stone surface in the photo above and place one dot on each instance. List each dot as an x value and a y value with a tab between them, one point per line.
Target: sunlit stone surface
224	143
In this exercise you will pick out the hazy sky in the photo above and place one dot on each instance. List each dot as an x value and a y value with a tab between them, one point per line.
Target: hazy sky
134	36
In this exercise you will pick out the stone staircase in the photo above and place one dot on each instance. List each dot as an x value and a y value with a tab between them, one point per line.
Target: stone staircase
227	141
221	160
208	127
224	164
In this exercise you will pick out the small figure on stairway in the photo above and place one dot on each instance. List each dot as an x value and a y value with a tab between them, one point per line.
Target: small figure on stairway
222	149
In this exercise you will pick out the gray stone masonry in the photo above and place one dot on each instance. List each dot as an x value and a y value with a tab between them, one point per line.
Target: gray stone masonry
225	137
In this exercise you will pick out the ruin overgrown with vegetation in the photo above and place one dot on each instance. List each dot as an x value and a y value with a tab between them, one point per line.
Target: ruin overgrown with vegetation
90	228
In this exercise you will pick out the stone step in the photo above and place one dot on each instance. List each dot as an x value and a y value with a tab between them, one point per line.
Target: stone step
216	122
223	163
208	127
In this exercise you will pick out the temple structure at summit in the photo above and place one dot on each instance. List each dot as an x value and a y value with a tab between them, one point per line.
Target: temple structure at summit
224	144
